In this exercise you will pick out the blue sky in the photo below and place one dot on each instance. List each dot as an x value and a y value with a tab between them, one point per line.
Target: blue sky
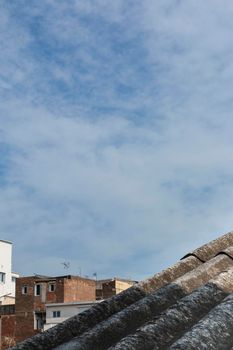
115	132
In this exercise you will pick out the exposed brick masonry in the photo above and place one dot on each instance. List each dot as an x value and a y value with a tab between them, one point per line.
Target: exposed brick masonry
30	308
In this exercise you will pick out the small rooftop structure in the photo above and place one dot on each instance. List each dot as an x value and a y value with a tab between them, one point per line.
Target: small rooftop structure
188	306
107	288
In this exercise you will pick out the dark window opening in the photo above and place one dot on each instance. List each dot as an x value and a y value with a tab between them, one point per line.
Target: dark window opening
25	290
56	313
37	289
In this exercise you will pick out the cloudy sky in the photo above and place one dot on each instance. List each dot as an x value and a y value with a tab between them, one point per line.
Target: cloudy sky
116	120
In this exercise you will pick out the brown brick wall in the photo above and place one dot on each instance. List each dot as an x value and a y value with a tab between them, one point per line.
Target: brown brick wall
24	326
112	287
47	297
109	289
24	307
7	331
30	302
24	302
79	289
58	295
67	289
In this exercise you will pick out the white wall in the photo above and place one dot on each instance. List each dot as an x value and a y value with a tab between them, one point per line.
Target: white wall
67	310
7	287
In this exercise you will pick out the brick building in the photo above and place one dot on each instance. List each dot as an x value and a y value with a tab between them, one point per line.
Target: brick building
7	326
109	287
32	293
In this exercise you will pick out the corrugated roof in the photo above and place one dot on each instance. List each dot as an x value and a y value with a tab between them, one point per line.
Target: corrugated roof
187	306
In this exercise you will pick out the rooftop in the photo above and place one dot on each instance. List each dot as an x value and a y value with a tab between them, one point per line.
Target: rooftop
117	279
187	306
74	303
42	278
4	241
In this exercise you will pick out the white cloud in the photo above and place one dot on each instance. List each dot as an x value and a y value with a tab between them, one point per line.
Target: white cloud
118	183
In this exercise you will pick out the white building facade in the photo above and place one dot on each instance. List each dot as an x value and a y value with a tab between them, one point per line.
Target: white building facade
7	277
59	312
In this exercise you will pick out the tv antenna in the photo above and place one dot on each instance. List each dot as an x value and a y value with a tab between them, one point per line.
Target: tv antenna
66	265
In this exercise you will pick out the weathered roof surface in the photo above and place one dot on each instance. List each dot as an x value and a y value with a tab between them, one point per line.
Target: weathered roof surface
187	306
209	250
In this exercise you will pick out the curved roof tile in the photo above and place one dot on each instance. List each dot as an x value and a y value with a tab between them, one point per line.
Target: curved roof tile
213	332
187	306
172	324
209	250
228	251
128	320
170	274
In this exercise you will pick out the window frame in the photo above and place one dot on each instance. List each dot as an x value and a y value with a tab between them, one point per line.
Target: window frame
24	290
52	287
2	277
37	285
56	313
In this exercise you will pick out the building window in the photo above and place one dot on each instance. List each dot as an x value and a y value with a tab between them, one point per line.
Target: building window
52	287
37	289
39	320
13	279
2	277
25	290
56	313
